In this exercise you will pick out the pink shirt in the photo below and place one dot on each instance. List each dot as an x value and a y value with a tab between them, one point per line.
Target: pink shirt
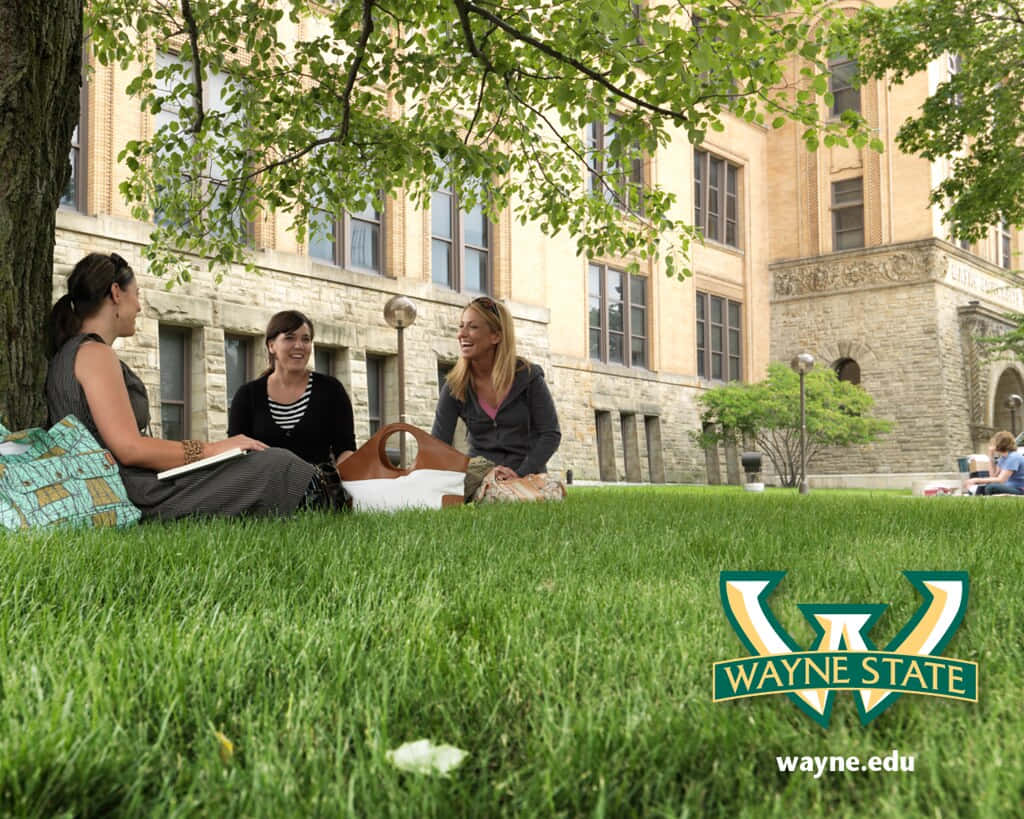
492	412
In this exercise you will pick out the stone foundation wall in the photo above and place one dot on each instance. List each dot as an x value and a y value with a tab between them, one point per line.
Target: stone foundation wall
615	413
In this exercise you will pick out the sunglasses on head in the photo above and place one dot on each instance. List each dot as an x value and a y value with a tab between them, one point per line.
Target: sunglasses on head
488	304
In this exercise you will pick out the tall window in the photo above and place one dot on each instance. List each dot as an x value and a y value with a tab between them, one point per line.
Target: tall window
354	241
954	64
237	358
626	175
716	197
460	244
1005	254
174	383
719	338
71	198
848	214
375	391
74	192
443	368
215	92
618	316
845	96
323	359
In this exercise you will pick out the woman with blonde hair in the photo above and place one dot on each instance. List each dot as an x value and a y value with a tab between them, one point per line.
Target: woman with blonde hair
1007	476
502	398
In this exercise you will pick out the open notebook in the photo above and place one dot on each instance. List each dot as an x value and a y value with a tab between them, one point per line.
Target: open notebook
227	455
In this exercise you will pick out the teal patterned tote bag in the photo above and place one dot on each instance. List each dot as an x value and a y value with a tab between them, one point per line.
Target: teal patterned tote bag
60	476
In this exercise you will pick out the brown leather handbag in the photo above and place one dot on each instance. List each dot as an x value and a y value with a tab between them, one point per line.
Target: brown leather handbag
434	480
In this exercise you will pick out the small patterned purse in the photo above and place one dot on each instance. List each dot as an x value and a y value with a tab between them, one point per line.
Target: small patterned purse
528	488
60	476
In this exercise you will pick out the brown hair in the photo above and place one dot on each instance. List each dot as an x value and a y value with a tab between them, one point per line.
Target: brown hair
88	285
1004	441
287	321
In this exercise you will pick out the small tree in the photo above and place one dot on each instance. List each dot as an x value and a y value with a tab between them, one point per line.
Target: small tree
838	414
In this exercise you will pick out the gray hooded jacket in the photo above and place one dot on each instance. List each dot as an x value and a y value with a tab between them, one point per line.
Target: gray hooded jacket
523	434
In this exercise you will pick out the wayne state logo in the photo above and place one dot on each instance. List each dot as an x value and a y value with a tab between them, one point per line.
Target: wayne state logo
843	658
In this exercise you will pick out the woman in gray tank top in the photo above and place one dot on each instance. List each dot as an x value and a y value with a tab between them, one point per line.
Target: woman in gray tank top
86	379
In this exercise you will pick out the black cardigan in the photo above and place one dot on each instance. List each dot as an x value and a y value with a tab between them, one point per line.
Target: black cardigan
325	430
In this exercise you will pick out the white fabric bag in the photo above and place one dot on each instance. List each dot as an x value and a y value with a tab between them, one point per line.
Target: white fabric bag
420	489
435	480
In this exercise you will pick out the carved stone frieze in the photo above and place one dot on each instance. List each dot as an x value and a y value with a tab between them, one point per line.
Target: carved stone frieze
843	273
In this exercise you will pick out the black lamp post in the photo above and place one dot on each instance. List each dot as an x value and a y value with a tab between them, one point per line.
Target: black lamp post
400	312
803	364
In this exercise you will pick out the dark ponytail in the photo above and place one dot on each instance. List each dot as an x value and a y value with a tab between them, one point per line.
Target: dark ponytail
88	285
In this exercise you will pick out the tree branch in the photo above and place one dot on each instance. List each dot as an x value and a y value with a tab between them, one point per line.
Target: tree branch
544	48
353	69
197	67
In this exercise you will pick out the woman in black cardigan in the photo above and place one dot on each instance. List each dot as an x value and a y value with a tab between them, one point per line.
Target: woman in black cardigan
291	407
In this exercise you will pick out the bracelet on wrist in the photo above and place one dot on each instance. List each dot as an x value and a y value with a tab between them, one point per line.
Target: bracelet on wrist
193	450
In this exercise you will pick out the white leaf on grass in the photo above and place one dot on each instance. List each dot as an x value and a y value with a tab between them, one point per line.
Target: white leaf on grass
422	756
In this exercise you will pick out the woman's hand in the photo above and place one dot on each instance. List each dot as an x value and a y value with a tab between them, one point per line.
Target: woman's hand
504	473
243	442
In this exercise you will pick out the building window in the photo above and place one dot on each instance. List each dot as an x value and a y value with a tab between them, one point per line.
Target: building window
716	198
174	383
375	391
845	96
73	196
443	368
719	338
460	241
618	316
848	214
237	367
1005	254
74	190
847	370
173	70
323	360
354	241
626	177
954	64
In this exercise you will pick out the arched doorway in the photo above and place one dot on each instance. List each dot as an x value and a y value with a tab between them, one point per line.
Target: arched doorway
1010	383
847	370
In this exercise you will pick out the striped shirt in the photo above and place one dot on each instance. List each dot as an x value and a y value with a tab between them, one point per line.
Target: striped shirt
286	416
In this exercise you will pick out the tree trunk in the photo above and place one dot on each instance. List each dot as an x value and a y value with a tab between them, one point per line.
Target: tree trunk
40	76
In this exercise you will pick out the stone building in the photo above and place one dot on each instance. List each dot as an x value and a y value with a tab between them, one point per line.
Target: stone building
866	278
899	305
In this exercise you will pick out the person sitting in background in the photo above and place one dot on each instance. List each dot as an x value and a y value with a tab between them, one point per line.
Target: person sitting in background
502	398
86	379
290	406
1007	476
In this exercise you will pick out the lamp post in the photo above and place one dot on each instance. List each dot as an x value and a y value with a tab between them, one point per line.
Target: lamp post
1013	402
803	364
400	312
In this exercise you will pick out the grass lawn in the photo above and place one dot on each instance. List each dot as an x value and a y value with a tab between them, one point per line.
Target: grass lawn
567	647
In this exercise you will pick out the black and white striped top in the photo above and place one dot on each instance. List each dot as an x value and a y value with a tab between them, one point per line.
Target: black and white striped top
286	416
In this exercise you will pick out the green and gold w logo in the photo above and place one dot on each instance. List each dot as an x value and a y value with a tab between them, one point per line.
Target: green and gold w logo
843	658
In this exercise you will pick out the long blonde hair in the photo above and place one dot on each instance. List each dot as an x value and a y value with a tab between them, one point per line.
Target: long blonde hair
498	320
